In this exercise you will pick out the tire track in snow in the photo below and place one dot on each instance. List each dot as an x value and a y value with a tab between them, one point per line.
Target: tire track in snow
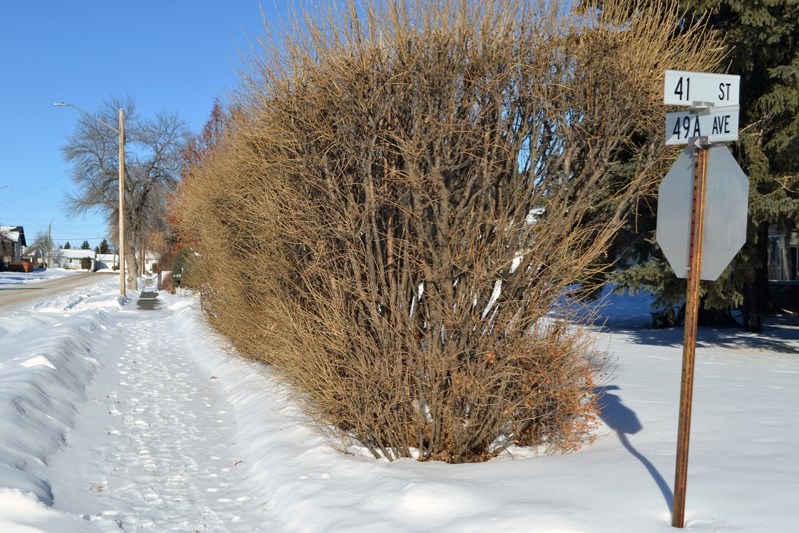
155	446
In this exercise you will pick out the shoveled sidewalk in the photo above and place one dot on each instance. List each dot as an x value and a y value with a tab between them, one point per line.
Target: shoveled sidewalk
148	297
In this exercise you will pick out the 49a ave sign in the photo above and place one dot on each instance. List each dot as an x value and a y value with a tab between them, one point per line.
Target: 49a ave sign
717	124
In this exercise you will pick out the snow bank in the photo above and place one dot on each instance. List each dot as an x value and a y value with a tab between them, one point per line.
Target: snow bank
743	472
40	388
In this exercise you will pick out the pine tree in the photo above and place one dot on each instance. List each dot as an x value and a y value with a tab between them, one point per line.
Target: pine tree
763	38
67	246
85	246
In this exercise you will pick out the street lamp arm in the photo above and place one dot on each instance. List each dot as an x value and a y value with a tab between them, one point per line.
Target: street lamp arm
64	104
121	132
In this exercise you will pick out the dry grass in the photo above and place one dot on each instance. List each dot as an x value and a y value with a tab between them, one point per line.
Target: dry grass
388	168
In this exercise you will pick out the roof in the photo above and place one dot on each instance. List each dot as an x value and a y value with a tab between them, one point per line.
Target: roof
13	234
73	253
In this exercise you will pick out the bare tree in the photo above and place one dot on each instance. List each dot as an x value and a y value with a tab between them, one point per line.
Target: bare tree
153	149
44	244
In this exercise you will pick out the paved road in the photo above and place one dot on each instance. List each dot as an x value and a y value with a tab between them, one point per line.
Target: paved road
14	295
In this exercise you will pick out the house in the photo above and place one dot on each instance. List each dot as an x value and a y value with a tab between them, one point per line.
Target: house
783	268
34	255
73	259
111	261
106	262
783	255
12	241
150	262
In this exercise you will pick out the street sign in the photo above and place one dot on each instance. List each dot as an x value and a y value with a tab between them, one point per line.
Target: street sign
701	223
726	207
689	88
718	124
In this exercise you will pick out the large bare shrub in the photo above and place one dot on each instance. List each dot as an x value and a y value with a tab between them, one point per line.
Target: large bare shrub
404	194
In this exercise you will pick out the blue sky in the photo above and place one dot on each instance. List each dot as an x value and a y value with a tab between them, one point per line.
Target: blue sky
168	55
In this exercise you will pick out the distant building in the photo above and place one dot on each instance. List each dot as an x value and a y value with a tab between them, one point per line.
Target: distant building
150	262
12	242
106	262
783	255
111	261
35	256
73	259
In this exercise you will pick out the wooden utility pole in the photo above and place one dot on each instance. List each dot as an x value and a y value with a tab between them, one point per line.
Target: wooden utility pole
689	339
122	290
121	131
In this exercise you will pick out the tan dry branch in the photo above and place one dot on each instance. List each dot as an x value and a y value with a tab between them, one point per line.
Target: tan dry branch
405	191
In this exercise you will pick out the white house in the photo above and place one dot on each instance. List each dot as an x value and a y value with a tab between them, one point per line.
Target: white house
111	261
150	261
106	261
34	255
72	259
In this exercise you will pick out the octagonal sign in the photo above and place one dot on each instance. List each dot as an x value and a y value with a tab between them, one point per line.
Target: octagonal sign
726	206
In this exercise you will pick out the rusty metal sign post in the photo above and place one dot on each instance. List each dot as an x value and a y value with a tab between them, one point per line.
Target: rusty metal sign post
715	221
689	337
701	225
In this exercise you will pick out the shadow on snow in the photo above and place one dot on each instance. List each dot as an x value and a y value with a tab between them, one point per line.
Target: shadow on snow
624	422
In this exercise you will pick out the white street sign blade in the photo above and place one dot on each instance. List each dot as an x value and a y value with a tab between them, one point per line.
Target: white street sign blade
685	88
719	125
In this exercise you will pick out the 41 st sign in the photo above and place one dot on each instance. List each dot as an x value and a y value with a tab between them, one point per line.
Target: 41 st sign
689	88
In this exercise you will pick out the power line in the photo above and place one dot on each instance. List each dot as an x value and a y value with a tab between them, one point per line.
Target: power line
36	192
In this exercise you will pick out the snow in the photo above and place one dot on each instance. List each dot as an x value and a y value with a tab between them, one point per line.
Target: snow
8	279
118	418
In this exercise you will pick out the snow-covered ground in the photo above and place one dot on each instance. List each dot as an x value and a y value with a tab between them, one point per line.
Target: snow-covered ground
8	279
117	418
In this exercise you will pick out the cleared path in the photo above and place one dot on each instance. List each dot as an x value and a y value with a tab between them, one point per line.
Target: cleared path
154	448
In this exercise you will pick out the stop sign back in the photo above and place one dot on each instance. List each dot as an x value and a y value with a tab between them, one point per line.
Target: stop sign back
726	205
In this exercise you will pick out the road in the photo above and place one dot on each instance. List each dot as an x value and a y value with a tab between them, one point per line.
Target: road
14	295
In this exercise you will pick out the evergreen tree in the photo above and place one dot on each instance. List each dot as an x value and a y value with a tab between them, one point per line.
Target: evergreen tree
763	38
85	246
67	246
104	247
